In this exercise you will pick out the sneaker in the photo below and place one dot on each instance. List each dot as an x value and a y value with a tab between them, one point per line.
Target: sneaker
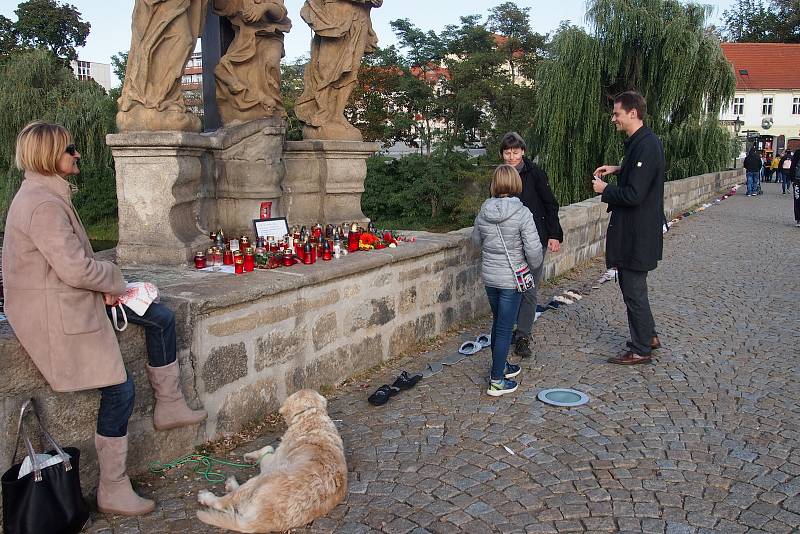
512	370
501	387
797	224
522	347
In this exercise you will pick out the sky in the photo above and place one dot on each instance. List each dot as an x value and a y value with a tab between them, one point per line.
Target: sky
110	20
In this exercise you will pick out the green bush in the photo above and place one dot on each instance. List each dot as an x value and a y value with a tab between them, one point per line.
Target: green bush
442	191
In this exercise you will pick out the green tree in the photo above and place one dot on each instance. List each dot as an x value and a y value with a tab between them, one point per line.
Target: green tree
754	21
291	89
34	84
119	64
50	25
424	53
659	48
8	37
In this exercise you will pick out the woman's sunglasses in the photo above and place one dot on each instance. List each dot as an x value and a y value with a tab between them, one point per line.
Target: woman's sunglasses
71	150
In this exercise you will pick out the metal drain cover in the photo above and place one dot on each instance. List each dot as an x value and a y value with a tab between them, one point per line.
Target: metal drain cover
563	397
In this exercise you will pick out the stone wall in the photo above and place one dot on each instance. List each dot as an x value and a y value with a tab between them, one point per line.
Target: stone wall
247	342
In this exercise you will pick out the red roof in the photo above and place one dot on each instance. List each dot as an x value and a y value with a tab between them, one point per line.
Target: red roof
766	65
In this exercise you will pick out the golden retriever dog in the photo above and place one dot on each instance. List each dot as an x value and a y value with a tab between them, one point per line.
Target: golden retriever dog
303	479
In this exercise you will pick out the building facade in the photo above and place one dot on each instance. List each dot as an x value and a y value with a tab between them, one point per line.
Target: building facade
767	99
89	70
192	83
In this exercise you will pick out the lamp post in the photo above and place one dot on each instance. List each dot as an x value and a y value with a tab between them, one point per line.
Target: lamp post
737	126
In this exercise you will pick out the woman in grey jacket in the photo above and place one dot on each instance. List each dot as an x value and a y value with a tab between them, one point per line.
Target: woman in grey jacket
504	223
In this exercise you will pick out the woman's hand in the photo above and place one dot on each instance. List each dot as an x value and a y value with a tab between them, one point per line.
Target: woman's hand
553	245
110	300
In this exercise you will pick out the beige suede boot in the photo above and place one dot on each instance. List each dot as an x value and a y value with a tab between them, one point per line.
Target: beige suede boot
171	410
114	493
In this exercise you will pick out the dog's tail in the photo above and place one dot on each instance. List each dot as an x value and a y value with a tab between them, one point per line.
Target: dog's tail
223	519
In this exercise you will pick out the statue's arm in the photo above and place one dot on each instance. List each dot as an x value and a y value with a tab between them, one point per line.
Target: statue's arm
256	10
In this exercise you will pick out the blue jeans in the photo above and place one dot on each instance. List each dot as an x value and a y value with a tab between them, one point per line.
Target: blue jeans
786	184
505	306
116	402
752	182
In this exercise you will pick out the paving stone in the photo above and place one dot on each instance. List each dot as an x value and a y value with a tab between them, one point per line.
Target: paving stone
702	440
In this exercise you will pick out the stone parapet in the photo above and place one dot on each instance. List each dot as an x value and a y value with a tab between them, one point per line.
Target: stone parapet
247	342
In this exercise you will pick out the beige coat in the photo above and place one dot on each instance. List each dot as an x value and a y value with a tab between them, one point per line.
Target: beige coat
54	289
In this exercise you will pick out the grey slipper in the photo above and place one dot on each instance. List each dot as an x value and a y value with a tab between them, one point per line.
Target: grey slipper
432	369
468	348
453	359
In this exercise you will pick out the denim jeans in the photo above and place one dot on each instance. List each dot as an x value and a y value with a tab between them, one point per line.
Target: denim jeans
752	182
786	184
505	306
116	402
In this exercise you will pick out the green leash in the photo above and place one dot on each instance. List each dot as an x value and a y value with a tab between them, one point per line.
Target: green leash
204	466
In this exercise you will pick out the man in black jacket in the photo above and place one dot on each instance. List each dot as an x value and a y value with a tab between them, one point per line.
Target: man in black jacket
752	165
634	240
538	197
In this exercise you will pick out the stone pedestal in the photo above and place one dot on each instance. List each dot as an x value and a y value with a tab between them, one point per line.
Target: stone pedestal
164	195
324	180
250	170
173	187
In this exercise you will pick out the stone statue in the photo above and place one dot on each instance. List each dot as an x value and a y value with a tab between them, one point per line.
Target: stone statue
342	35
249	74
164	33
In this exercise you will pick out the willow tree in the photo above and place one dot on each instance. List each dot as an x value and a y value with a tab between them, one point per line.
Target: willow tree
34	84
657	47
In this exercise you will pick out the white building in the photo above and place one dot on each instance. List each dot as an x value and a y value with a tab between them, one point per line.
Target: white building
89	70
767	100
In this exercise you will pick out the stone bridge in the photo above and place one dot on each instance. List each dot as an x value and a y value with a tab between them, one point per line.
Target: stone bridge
245	343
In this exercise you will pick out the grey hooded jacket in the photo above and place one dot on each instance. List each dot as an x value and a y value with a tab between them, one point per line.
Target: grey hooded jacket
515	221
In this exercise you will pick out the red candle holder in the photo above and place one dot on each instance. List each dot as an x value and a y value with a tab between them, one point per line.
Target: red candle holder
352	241
238	265
200	260
249	263
227	257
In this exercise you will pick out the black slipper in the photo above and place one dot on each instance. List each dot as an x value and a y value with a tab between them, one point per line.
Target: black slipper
406	381
382	394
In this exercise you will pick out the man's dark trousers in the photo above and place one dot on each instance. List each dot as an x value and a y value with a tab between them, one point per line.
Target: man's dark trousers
640	319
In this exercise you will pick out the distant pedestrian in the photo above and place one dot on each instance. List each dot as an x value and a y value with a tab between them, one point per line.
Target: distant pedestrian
634	240
773	167
539	198
752	164
786	174
506	233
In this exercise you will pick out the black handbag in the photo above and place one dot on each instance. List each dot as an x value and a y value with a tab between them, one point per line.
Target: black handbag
48	500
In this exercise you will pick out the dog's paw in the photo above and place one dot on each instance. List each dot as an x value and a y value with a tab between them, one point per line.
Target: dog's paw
231	484
205	497
255	456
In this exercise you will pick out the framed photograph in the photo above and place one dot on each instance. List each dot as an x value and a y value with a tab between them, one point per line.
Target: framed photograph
276	227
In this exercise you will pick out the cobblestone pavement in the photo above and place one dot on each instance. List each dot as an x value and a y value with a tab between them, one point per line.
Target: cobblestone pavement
704	440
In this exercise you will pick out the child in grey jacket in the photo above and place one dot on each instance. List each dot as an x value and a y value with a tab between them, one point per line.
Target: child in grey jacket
504	214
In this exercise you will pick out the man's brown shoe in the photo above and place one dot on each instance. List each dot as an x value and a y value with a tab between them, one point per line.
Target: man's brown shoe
630	358
655	343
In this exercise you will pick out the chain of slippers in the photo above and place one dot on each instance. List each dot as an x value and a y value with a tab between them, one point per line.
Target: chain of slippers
468	348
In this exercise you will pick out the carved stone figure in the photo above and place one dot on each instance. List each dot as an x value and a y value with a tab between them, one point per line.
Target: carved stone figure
342	35
248	76
164	33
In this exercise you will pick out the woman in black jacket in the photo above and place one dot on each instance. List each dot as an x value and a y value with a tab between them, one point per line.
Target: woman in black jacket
538	197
